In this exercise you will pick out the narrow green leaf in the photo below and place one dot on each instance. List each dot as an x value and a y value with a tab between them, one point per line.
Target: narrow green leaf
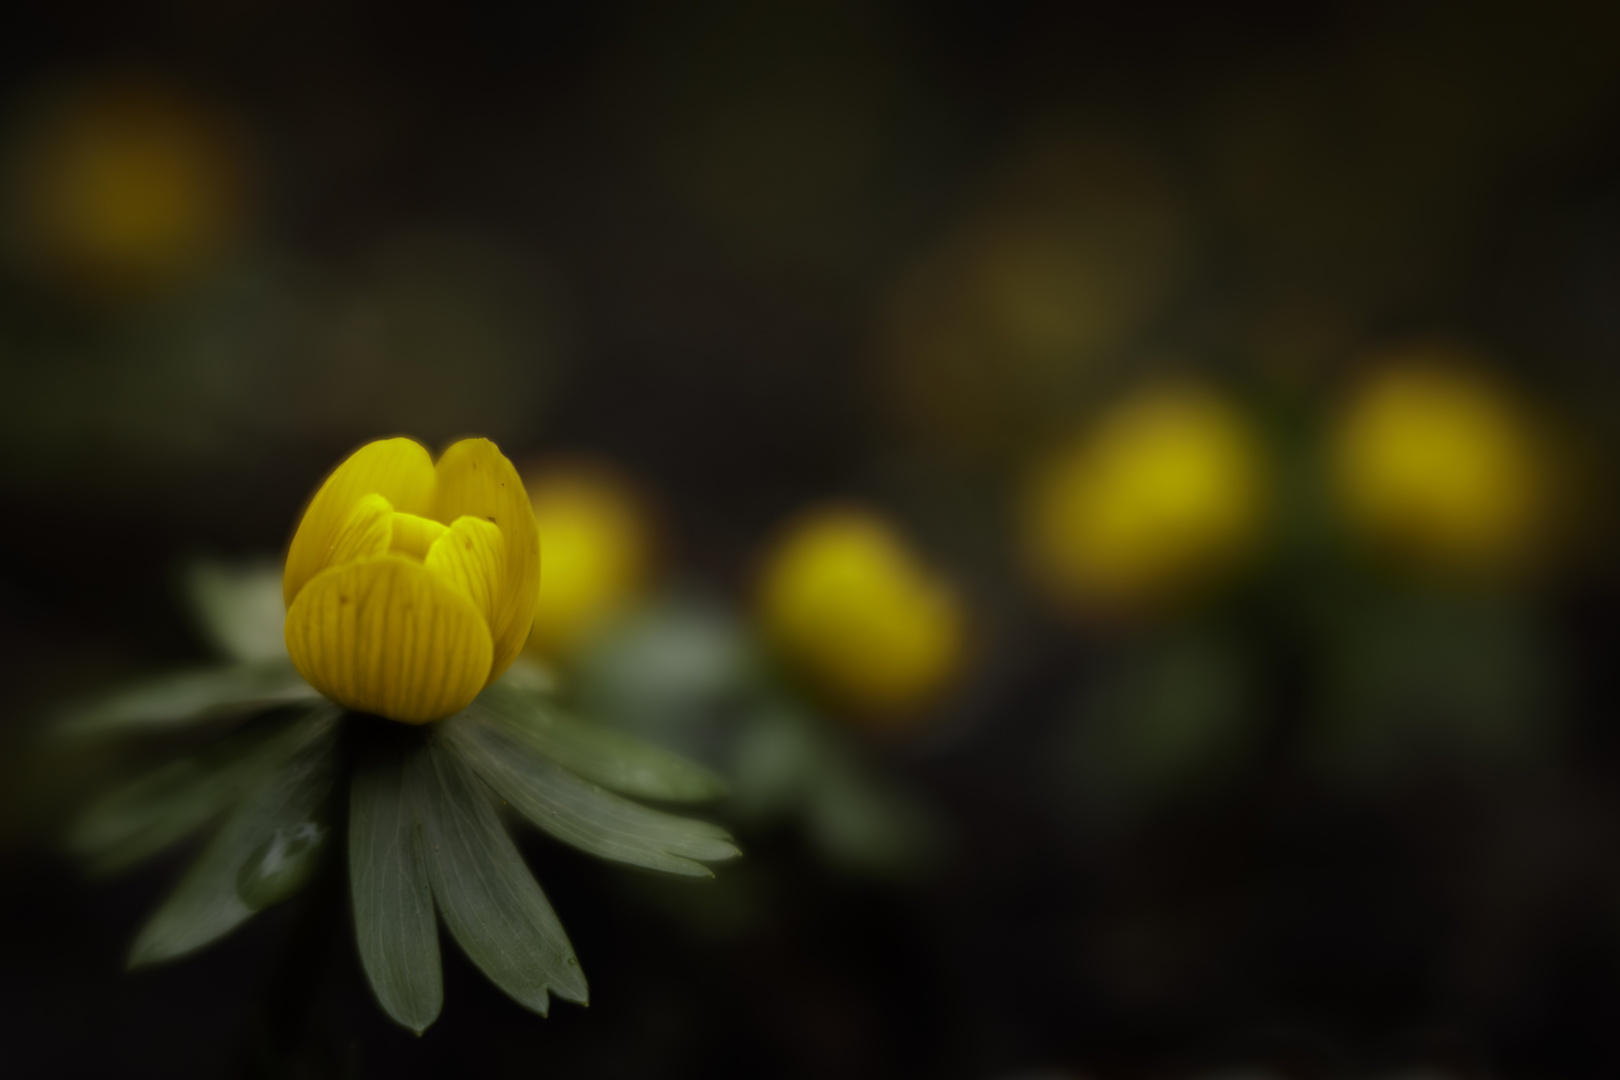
1169	717
240	607
667	671
867	825
580	813
175	701
531	675
776	755
393	903
490	901
165	806
610	758
209	903
1433	678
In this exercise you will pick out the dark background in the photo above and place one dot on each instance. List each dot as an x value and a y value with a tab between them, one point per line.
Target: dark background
673	236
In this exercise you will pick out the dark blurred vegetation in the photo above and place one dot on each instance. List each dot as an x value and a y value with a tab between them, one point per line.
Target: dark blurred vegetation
1282	738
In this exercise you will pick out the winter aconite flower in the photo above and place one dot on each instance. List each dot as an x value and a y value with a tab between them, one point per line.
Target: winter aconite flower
1167	488
599	546
411	586
1441	466
125	187
852	608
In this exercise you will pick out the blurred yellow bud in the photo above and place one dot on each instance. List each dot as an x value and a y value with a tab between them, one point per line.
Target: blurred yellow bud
597	544
847	604
991	336
1442	466
124	187
1165	489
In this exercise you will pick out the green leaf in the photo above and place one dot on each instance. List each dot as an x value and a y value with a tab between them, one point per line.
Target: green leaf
240	607
868	826
614	760
580	813
530	674
669	672
174	701
209	901
1434	681
165	806
1169	718
490	901
777	755
393	903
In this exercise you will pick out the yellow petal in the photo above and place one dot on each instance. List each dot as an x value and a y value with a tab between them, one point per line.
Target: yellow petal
384	634
415	535
476	480
471	555
368	530
399	470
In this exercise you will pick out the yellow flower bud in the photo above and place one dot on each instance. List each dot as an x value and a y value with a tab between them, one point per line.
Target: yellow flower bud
598	545
1441	466
1168	488
409	586
847	603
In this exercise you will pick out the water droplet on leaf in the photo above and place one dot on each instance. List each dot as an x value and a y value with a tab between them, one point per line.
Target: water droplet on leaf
280	866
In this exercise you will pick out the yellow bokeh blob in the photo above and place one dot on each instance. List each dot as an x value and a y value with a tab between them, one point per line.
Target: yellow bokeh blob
991	336
1438	464
849	606
125	187
1164	490
596	548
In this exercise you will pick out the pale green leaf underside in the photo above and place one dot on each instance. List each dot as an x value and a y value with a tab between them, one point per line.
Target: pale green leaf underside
240	607
489	900
174	701
869	826
165	806
580	813
393	902
208	903
609	758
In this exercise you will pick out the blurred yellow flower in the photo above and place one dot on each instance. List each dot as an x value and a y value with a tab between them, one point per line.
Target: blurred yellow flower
989	339
410	586
1439	464
1167	488
598	545
847	603
126	186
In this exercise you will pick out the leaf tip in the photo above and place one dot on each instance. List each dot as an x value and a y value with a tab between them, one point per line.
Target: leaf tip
139	956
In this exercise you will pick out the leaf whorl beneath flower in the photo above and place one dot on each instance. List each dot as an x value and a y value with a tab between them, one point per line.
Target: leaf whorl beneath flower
264	850
424	833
